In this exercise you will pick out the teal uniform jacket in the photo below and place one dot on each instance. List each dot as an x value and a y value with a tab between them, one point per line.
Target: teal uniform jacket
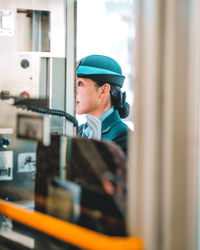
113	129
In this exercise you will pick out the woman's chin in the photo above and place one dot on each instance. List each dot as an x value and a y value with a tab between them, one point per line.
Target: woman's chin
79	112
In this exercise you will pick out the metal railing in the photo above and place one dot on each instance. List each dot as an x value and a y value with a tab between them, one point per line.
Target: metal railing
67	232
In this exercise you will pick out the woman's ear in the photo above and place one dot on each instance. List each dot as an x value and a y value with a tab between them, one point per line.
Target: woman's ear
106	89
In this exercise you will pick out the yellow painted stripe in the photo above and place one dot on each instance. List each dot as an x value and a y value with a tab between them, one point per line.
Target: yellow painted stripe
65	231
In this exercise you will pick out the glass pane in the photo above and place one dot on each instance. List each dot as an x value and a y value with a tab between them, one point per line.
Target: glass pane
107	27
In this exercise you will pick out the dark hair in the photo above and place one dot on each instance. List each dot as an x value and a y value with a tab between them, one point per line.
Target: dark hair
118	99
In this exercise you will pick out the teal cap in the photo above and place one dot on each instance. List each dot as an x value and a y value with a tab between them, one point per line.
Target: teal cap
102	68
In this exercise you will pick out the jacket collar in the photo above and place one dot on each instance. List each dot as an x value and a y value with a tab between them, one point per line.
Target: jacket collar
110	121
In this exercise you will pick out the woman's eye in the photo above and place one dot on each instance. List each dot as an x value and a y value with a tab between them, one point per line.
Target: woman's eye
80	84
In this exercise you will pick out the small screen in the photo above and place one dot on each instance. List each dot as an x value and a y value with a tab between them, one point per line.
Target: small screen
30	127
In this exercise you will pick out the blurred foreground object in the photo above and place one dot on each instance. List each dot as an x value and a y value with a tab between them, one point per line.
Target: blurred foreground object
97	169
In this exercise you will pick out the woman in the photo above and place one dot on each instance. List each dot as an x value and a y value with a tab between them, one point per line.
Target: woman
99	83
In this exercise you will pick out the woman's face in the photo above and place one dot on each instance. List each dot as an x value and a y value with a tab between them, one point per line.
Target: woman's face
88	99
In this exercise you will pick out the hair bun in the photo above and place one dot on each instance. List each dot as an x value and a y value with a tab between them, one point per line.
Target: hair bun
124	110
118	100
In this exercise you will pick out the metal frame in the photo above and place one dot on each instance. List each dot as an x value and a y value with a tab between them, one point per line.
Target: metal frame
70	61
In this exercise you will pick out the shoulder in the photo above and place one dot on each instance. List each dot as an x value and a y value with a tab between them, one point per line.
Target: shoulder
115	130
114	124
